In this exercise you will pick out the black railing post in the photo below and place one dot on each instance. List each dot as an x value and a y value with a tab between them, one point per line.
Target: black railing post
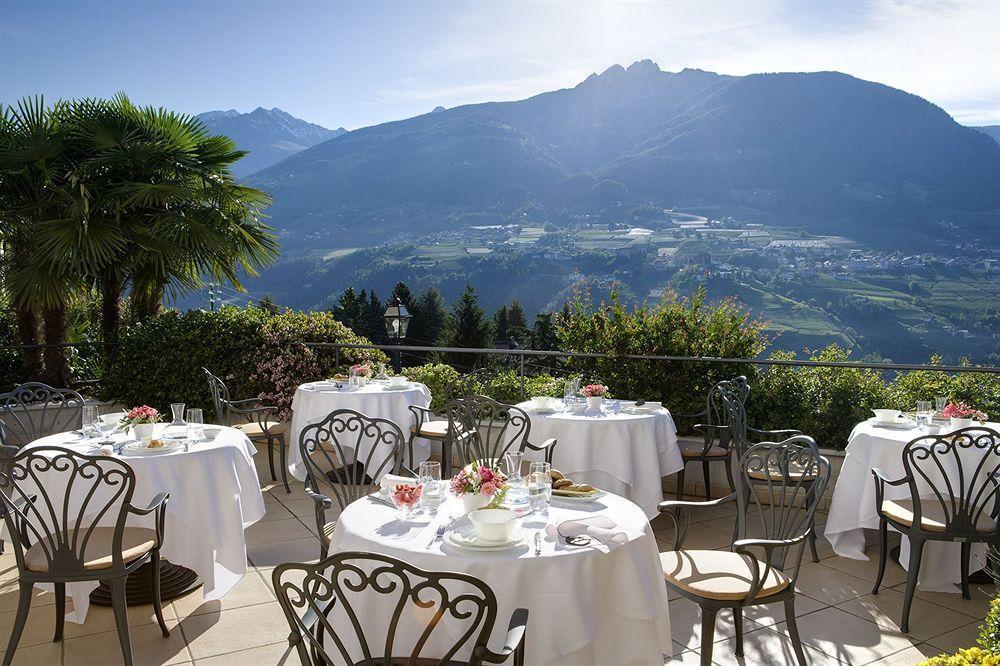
522	376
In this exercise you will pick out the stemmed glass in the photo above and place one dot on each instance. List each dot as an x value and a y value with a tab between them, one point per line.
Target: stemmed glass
90	416
104	429
195	426
940	402
429	475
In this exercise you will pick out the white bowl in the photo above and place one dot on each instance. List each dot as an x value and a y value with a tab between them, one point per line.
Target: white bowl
578	407
113	418
398	380
495	525
887	415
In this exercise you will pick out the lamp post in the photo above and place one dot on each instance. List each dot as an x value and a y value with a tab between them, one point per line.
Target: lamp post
397	321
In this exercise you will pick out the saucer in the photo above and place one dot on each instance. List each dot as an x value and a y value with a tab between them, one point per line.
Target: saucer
390	387
140	449
466	537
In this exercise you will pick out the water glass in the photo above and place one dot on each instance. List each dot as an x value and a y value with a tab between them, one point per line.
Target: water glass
924	411
90	416
429	475
940	402
539	486
195	424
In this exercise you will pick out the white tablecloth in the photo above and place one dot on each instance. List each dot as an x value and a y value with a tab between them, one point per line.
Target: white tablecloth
312	403
626	454
853	506
214	495
587	606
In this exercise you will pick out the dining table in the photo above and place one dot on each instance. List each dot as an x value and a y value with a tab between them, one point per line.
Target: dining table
214	495
872	445
619	448
313	401
587	604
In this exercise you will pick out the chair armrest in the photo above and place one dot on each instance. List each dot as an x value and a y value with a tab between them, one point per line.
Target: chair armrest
676	510
744	548
784	434
245	401
159	505
513	641
321	504
319	498
548	446
881	479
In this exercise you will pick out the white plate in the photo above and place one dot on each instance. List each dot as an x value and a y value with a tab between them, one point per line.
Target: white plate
639	410
580	498
540	411
140	449
465	537
901	425
397	388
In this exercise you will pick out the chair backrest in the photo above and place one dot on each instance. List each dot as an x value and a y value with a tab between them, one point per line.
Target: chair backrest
778	487
331	449
488	429
322	602
220	397
953	476
34	409
735	389
57	498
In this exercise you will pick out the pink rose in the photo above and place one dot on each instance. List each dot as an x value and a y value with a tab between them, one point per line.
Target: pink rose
489	488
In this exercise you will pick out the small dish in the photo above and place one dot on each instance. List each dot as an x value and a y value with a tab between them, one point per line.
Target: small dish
465	537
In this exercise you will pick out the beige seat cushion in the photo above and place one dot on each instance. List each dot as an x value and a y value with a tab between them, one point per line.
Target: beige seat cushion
431	429
932	517
254	429
328	530
695	449
136	542
717	574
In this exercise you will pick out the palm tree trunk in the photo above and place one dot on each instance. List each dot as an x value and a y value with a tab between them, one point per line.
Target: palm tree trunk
56	357
111	309
147	303
27	333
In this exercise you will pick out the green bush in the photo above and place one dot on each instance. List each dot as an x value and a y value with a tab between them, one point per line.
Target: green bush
989	632
505	386
436	376
160	360
967	657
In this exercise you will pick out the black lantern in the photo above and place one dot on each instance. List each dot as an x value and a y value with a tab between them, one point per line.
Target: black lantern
397	321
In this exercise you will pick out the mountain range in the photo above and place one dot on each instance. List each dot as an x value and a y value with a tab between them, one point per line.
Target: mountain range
826	150
990	130
270	135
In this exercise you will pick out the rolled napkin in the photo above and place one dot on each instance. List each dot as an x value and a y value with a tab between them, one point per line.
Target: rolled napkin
390	481
602	528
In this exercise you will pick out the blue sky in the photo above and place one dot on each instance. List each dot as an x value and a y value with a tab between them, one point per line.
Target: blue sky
356	64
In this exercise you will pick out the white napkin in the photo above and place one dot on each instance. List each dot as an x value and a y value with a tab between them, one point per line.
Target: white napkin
602	528
390	481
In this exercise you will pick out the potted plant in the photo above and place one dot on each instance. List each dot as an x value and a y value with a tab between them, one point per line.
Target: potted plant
962	415
142	420
479	486
594	393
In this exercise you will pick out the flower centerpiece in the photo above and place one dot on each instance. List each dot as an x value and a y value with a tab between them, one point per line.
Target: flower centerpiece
594	393
479	485
406	497
962	415
142	420
359	374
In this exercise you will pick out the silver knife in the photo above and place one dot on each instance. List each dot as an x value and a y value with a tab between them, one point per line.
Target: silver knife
538	544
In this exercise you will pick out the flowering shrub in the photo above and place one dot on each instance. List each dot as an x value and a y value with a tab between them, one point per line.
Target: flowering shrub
968	657
141	415
477	478
436	377
594	391
960	410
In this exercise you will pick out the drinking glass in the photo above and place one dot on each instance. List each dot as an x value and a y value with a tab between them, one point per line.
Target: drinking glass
539	486
517	489
176	429
195	424
940	403
90	415
429	474
104	429
924	411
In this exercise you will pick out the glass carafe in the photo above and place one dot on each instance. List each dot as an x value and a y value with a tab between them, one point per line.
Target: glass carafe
382	376
517	488
177	428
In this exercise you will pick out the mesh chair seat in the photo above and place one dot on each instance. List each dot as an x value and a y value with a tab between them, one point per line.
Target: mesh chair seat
136	543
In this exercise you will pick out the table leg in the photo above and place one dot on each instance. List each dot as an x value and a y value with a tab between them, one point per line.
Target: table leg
175	581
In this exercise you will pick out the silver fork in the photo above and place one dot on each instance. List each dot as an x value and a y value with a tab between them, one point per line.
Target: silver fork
437	536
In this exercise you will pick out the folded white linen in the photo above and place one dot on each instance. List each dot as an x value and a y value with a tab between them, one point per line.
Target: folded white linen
390	481
602	528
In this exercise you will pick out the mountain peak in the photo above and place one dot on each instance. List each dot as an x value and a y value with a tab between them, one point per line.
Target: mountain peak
646	66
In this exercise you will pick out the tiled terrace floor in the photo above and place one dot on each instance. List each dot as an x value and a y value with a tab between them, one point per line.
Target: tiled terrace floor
839	620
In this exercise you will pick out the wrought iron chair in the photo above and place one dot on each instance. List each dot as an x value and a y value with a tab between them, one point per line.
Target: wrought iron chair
953	496
326	448
257	422
33	410
428	425
53	499
763	563
315	596
716	433
488	430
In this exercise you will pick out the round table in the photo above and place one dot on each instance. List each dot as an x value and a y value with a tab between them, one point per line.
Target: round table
315	400
586	605
214	496
852	509
625	454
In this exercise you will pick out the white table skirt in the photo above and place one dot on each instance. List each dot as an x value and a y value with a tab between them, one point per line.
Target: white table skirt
214	495
626	454
313	403
853	507
587	606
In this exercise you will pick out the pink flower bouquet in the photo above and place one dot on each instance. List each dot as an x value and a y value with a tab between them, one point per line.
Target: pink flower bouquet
594	391
361	370
479	485
960	410
141	415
